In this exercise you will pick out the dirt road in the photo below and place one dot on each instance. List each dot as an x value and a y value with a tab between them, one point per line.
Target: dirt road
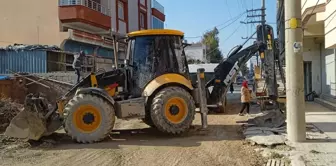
221	144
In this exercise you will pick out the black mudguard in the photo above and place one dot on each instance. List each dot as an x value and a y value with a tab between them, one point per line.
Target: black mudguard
97	92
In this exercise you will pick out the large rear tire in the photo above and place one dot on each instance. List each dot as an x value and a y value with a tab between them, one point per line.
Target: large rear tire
89	118
173	110
147	120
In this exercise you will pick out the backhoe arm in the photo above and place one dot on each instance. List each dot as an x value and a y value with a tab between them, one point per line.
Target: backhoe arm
226	71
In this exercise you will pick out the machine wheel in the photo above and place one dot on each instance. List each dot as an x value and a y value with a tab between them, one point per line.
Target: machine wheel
89	118
223	108
148	121
173	110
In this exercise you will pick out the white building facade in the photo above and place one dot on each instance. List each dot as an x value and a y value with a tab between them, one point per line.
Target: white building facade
196	51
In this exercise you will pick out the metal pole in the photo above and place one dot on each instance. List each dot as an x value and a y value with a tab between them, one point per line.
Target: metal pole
296	122
263	19
202	97
115	51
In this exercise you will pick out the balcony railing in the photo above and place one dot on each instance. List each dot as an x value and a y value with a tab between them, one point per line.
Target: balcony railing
158	6
87	3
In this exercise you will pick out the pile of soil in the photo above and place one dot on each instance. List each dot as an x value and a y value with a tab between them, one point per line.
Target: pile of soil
8	110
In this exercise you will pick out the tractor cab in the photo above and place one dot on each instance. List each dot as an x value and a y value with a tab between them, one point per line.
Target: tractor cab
152	53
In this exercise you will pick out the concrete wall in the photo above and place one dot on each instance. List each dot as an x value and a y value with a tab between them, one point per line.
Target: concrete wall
149	14
133	13
323	66
30	22
329	72
330	24
68	77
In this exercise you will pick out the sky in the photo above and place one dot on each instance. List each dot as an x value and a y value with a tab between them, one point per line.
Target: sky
194	17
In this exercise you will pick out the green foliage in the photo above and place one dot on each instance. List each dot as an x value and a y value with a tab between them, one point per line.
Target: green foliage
211	40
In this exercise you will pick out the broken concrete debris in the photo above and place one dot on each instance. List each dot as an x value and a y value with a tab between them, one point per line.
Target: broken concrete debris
8	110
266	128
265	136
257	133
20	47
271	119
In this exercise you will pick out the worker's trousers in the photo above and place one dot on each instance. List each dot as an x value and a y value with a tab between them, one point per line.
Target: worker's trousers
247	106
78	75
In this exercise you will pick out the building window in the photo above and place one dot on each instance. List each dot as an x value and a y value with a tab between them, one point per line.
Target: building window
142	20
121	14
157	23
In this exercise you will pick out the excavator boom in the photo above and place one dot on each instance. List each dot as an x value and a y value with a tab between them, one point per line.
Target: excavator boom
227	70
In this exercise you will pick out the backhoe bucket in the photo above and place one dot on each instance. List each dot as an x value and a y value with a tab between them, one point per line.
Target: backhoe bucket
31	123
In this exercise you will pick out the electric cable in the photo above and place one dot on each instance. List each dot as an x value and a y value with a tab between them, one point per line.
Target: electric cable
233	18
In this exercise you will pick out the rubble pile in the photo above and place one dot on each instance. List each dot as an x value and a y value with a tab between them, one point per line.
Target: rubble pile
8	110
267	128
20	47
266	136
271	119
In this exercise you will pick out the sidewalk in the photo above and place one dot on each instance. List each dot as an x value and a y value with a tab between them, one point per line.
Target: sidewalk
319	150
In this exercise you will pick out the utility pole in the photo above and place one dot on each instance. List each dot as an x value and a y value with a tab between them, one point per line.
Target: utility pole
296	121
263	17
252	14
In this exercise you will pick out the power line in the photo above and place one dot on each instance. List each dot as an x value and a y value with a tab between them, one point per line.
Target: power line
304	4
312	11
314	7
232	33
231	22
228	8
224	40
233	18
236	17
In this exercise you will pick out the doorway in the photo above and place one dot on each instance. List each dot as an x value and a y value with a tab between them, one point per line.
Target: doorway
307	69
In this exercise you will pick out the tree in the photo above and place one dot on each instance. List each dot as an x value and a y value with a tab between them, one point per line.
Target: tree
211	40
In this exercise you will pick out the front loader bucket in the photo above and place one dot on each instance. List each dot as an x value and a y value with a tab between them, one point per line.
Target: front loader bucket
27	125
33	121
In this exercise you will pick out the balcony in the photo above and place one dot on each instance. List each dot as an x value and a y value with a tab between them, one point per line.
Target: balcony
84	15
311	7
156	5
158	10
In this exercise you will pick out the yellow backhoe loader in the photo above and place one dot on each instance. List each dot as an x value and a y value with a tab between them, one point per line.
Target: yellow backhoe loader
153	84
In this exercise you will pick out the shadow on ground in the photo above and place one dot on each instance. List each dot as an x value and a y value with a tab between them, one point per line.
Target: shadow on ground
151	137
148	137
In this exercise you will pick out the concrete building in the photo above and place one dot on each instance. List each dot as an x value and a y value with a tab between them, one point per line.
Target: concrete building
196	51
158	17
75	25
319	44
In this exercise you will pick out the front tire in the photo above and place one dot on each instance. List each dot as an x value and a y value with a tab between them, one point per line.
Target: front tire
89	118
173	110
223	108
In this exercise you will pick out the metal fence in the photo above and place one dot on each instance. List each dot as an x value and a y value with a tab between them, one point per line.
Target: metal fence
34	61
87	3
